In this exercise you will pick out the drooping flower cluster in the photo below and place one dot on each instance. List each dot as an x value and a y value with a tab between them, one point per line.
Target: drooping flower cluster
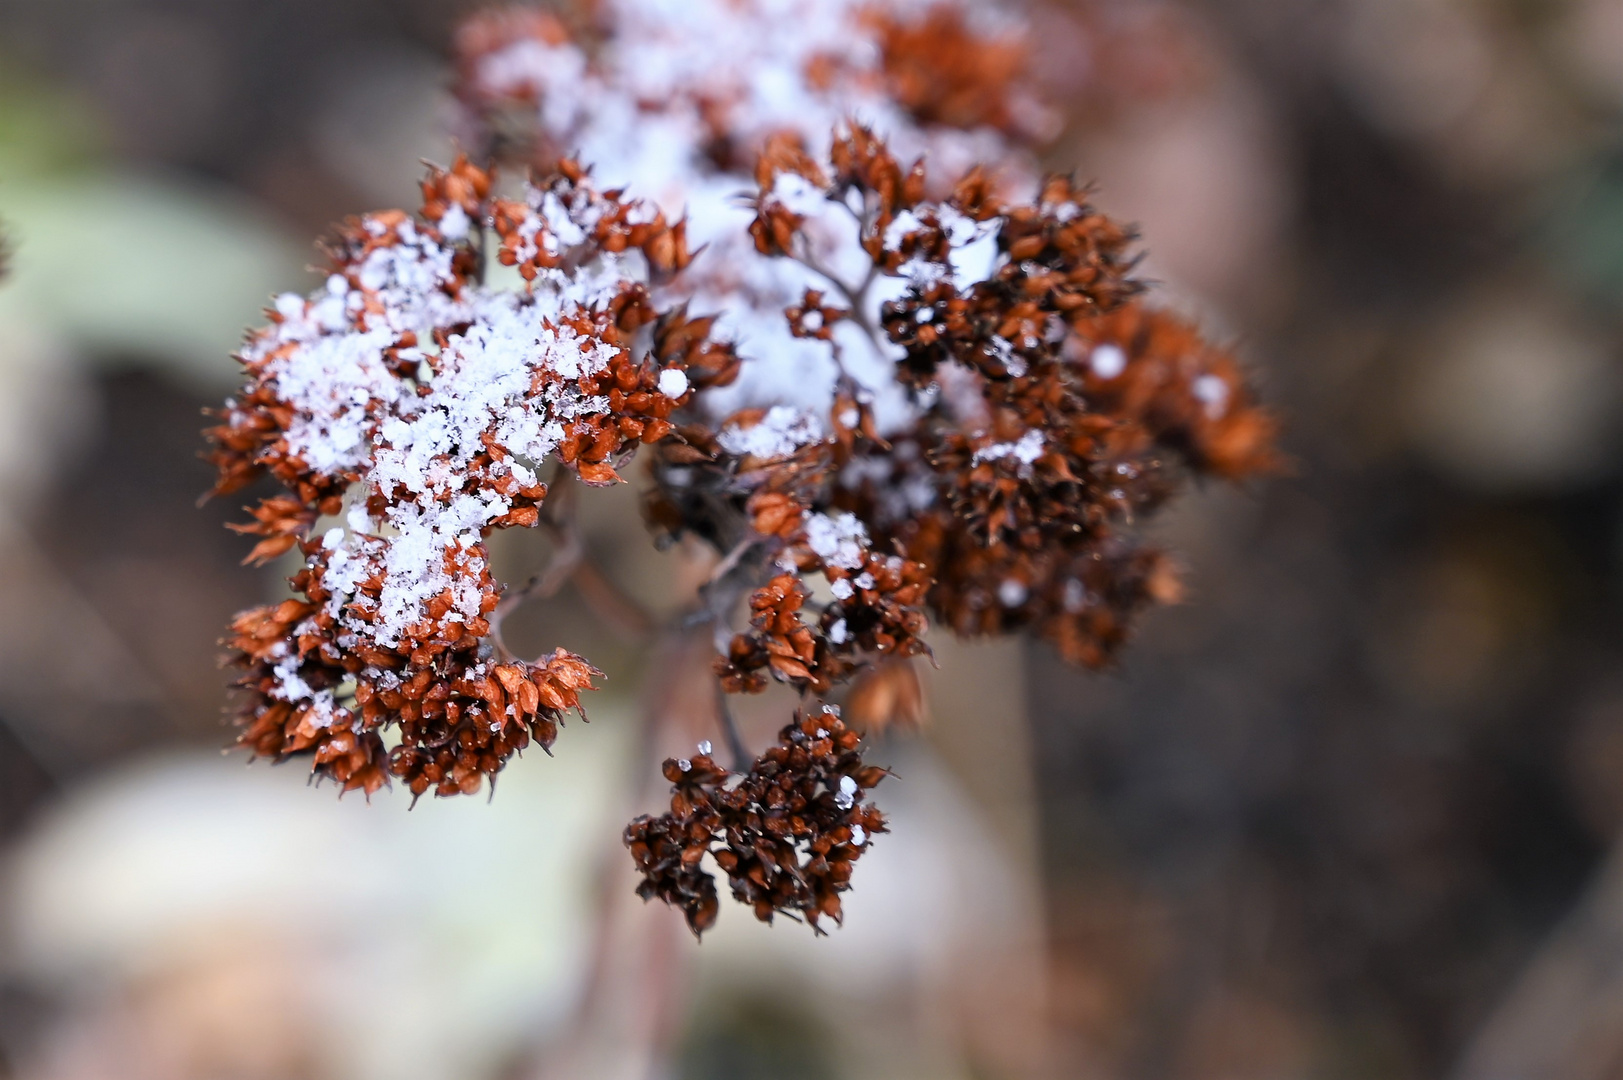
883	393
802	798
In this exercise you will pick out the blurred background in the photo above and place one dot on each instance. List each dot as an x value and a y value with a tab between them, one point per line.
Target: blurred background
1348	812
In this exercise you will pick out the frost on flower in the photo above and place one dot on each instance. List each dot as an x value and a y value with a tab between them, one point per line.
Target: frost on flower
776	433
886	371
418	408
677	100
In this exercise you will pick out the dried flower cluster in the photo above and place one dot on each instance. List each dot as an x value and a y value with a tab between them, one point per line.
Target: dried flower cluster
803	796
411	407
883	393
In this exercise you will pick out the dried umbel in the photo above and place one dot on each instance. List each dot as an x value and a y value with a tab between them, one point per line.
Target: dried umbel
883	393
785	833
1046	408
412	407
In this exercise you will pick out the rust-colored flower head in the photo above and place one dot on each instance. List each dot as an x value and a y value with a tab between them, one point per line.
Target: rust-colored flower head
884	393
411	406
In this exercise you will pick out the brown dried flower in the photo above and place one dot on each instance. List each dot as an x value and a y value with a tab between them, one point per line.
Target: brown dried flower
786	833
882	394
411	400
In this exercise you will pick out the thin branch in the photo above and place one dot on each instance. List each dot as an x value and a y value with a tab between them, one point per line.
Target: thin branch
559	520
566	561
729	732
724	588
856	296
731	560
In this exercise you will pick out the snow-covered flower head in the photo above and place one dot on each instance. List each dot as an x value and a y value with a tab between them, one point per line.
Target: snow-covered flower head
805	261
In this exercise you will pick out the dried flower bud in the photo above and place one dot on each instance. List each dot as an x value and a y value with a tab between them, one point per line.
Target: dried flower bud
786	834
